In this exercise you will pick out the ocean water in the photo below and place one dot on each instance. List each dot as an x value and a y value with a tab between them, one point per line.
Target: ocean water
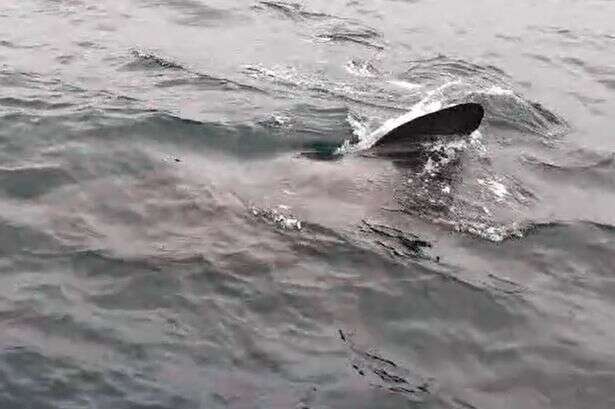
165	241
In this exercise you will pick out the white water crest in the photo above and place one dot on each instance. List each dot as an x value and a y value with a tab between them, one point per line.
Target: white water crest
405	84
429	104
418	110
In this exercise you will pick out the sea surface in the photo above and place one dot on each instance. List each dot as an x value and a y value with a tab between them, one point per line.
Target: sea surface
189	217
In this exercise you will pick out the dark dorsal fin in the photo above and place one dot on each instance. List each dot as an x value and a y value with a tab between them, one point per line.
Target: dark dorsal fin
462	119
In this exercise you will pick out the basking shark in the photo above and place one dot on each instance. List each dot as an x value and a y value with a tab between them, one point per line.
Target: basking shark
400	137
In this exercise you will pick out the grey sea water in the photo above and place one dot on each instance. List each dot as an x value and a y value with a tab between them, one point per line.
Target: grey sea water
165	242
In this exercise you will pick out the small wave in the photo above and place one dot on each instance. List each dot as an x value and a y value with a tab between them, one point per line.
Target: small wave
37	104
9	44
396	241
504	285
339	30
28	79
489	86
580	160
444	69
149	60
33	181
353	33
293	80
506	108
564	228
193	12
208	82
292	10
585	168
285	75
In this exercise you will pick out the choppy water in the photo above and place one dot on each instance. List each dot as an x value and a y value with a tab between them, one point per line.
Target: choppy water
165	244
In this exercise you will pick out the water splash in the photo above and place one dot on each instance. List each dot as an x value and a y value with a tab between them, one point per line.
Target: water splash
278	216
361	68
430	103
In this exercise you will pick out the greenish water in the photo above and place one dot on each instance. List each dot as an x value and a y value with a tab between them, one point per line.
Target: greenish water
165	244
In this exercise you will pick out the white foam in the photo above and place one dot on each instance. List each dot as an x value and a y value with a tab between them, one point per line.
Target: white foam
287	223
449	150
283	221
280	120
431	167
449	147
476	142
496	90
359	128
496	187
484	230
405	84
360	69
